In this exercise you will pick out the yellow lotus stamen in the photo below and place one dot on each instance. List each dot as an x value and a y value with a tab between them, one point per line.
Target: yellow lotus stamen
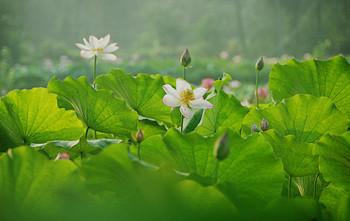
186	96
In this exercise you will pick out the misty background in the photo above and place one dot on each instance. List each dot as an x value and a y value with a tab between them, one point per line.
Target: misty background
37	36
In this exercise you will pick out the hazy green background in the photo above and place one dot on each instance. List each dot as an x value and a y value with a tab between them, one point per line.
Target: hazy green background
37	36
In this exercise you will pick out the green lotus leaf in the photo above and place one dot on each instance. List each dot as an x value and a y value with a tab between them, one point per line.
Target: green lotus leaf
33	184
143	93
319	78
32	116
297	157
110	170
150	128
153	150
334	158
226	113
251	166
99	110
331	195
298	209
218	84
304	116
75	148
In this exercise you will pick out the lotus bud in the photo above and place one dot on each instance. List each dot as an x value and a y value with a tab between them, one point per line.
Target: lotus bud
255	128
260	64
222	147
139	136
207	83
185	59
264	125
63	156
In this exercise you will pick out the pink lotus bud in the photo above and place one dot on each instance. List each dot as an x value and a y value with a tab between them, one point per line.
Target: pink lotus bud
63	156
207	83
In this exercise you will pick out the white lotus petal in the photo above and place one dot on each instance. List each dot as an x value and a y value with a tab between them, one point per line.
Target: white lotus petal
87	43
182	85
170	90
186	112
171	101
93	42
82	47
104	41
201	104
107	57
199	92
87	54
111	48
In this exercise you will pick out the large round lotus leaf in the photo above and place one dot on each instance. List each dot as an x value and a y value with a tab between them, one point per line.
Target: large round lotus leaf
334	157
32	184
99	110
143	93
32	116
319	78
305	116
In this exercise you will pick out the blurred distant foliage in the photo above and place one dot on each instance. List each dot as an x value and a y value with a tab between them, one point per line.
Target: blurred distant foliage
36	29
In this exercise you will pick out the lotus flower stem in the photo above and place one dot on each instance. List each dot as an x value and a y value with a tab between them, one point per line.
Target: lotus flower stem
182	117
94	74
315	185
138	151
256	88
86	132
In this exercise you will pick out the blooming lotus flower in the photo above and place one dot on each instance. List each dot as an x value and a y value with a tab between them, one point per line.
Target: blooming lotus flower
98	47
63	156
184	97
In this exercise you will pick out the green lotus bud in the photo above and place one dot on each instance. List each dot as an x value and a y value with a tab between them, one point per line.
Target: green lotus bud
222	147
185	59
264	125
255	128
260	64
139	136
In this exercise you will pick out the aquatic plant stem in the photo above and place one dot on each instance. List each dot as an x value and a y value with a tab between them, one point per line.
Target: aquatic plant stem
94	74
138	151
182	117
86	132
256	89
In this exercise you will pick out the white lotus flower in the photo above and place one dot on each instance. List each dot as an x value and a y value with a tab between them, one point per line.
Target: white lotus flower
98	47
184	97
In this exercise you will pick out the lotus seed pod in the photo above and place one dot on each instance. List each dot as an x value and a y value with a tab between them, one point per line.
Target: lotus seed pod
264	125
255	128
260	64
185	59
222	147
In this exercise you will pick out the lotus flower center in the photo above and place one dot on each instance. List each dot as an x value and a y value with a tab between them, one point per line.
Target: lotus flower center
98	49
186	96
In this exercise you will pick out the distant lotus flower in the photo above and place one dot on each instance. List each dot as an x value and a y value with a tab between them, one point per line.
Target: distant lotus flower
207	83
224	55
262	93
63	156
184	97
98	47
